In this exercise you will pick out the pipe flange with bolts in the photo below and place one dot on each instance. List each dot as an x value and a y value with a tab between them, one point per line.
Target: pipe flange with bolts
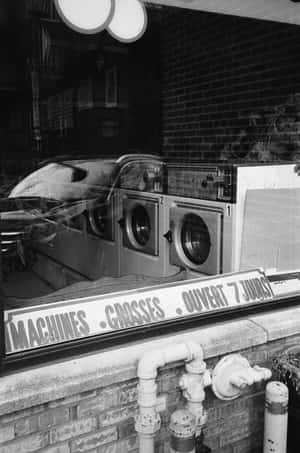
147	423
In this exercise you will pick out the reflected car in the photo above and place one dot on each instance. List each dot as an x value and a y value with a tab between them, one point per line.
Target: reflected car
61	190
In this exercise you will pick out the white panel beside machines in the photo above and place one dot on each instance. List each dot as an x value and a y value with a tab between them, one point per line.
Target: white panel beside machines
273	178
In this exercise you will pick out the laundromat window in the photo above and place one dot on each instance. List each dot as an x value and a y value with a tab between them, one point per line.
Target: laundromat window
142	164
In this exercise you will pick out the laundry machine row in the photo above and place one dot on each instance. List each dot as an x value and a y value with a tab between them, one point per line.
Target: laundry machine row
199	223
123	235
158	235
196	222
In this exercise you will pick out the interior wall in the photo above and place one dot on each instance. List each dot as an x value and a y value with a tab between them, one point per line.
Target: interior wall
217	71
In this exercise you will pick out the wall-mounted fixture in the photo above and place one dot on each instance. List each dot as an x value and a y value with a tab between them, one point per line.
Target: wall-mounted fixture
125	20
90	16
230	376
129	20
233	373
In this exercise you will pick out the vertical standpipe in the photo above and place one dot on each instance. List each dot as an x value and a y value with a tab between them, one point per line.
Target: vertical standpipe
276	417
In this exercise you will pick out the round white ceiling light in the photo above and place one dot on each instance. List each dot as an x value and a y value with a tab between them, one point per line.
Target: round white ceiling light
129	20
86	16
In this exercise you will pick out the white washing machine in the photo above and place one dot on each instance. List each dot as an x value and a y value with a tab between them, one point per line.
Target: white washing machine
143	247
199	235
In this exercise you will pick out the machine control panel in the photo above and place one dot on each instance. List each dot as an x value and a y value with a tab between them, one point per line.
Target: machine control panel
205	181
146	176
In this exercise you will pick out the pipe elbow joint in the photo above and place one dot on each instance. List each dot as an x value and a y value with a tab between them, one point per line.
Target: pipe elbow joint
149	363
196	351
152	360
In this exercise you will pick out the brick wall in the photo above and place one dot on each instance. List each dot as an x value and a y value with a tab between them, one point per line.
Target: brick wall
217	70
100	420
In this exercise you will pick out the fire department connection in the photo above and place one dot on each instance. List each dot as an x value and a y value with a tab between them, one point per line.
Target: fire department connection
229	377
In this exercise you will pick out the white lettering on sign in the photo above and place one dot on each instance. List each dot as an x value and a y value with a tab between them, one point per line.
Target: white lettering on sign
39	326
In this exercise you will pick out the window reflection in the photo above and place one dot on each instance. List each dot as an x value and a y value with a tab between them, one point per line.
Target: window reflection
71	134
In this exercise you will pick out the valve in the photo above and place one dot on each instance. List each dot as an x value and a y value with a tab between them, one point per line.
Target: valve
233	373
192	384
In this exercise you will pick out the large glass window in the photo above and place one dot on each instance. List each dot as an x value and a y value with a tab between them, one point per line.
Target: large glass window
127	165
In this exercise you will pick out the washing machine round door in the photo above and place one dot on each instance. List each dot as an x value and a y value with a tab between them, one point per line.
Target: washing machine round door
195	238
98	220
101	222
140	225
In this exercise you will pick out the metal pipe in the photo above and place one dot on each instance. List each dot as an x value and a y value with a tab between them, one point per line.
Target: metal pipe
147	422
193	384
276	417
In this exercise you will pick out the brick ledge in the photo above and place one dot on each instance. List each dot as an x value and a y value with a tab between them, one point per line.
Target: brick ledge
66	378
